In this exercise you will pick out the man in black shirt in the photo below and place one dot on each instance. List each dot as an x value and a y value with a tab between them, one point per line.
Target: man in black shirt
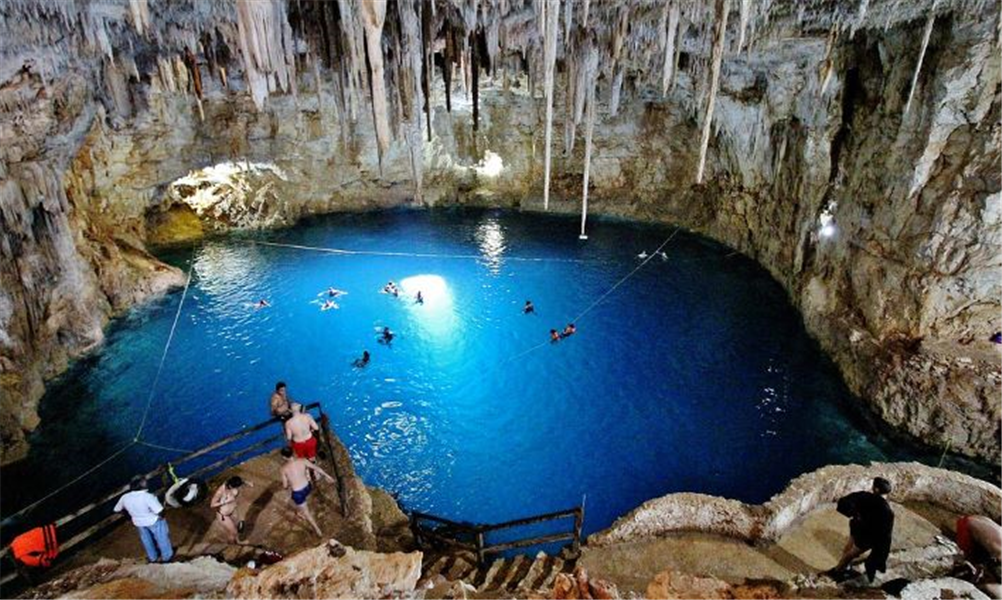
871	522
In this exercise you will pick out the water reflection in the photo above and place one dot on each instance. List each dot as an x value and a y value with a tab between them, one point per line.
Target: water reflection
490	239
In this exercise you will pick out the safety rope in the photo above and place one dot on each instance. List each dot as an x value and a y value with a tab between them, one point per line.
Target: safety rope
602	297
163	356
343	252
135	440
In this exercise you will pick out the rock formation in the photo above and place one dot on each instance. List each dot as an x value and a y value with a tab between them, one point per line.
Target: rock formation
851	147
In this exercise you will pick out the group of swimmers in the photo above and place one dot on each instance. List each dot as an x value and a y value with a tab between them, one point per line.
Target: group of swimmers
392	289
556	336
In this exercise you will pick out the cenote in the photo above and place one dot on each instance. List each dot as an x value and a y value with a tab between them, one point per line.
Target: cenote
695	374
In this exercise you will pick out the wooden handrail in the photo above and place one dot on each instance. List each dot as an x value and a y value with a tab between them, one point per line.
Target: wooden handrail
561	514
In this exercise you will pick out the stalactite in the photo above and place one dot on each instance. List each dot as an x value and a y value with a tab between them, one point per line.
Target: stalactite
668	70
373	16
139	10
616	91
743	14
590	68
475	79
267	47
550	23
353	35
719	36
584	14
426	55
925	44
568	19
447	66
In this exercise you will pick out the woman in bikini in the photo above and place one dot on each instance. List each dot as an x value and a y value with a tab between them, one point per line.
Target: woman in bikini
225	503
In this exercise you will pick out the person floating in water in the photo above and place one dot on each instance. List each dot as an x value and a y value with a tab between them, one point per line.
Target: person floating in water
569	330
262	303
554	335
643	254
363	361
528	308
391	288
419	299
387	336
296	479
334	292
663	255
225	503
329	304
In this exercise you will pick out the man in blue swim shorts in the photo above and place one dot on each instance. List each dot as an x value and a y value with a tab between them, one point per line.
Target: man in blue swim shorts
296	479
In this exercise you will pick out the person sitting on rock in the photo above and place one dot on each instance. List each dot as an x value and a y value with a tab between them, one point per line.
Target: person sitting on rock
281	406
871	524
980	539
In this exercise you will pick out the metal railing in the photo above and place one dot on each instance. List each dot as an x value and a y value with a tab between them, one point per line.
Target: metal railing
473	537
85	523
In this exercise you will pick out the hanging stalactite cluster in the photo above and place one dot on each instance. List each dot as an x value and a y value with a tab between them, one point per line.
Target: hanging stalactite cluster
387	57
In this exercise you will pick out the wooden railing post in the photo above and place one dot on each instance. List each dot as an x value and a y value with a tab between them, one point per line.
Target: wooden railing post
578	525
480	548
326	430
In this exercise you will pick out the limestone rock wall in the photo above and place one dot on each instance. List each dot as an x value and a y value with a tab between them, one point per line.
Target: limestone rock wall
809	129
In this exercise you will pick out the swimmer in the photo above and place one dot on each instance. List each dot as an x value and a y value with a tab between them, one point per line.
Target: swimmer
387	336
643	254
528	309
663	255
554	335
391	288
569	330
419	299
363	361
329	304
262	303
333	293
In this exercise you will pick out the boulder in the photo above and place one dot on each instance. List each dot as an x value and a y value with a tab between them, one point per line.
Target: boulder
322	573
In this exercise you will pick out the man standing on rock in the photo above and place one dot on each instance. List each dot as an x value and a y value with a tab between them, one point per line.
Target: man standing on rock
871	523
145	509
295	477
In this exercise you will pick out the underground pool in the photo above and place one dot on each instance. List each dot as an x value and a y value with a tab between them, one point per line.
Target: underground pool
689	371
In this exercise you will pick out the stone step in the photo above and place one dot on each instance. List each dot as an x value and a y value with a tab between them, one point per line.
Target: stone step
438	566
518	573
461	569
556	566
482	583
535	572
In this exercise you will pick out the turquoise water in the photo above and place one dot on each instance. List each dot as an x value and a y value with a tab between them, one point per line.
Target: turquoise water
695	374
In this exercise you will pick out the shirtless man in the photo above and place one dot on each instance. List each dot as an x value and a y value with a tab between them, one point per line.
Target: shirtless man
296	479
299	431
225	503
280	405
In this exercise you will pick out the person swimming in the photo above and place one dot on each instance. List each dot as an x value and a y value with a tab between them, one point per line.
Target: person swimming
643	254
528	308
391	288
387	336
569	330
554	335
262	303
329	304
333	293
419	299
363	361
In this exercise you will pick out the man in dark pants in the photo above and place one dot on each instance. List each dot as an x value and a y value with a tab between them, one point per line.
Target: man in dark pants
871	522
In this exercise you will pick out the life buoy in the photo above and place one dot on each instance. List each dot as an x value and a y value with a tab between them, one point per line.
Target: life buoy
186	492
37	547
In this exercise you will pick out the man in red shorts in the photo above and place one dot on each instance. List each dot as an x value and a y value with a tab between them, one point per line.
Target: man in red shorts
299	431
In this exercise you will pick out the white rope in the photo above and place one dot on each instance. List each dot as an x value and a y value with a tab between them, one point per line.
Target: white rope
342	252
163	357
600	298
78	478
179	450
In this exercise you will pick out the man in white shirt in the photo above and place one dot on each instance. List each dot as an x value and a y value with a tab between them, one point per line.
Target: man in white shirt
145	509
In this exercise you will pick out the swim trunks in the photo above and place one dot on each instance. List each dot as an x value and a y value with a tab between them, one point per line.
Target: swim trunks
299	496
307	449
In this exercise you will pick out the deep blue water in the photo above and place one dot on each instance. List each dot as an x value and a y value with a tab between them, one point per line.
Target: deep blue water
696	374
